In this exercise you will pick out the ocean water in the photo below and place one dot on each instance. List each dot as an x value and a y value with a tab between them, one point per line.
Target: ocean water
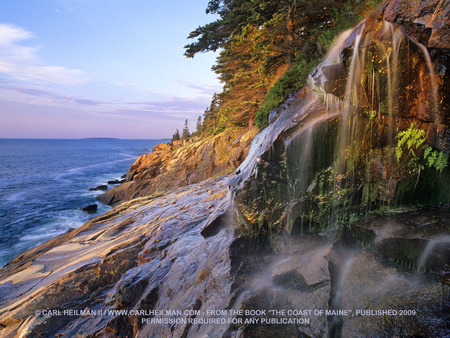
45	183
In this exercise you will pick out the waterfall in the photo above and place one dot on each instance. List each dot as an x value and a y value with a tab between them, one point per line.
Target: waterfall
333	148
433	247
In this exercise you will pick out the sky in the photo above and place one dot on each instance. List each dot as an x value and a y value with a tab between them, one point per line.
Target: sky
93	68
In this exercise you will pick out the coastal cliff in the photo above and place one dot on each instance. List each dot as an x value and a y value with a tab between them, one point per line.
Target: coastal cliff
180	163
320	231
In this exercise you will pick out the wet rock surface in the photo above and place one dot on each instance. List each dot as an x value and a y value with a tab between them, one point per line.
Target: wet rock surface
427	21
184	251
419	240
102	187
90	209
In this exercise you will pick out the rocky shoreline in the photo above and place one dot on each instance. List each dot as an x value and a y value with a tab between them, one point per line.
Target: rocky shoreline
180	163
182	251
211	238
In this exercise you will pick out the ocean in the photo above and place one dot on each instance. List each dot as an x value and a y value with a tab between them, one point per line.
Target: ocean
45	183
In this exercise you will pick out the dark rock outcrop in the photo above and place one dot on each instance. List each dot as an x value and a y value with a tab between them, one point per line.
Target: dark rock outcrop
102	187
114	182
90	209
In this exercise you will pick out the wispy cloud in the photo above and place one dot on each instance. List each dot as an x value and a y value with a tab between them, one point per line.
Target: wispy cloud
206	90
22	62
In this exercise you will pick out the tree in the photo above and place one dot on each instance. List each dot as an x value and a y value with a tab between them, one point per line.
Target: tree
297	17
186	133
199	126
176	136
260	41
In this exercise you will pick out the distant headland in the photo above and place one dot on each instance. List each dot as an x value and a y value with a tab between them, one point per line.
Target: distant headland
100	138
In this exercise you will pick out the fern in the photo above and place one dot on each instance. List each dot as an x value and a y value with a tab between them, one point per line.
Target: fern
435	159
413	139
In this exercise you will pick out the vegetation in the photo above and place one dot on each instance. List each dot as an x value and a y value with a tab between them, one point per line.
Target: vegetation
268	48
413	155
176	136
186	133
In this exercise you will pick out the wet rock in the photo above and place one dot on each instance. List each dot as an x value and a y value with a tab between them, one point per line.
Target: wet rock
90	209
336	87
417	240
423	20
334	72
367	284
102	187
114	182
305	270
444	274
273	116
98	267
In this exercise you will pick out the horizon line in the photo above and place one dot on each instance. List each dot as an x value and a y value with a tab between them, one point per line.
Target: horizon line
82	138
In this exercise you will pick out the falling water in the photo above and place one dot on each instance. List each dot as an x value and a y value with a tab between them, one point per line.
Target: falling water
351	99
335	301
391	52
431	248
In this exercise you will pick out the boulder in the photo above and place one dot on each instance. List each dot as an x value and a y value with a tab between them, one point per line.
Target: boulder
102	187
416	240
90	209
305	270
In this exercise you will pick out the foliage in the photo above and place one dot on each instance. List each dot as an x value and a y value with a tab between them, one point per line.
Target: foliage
176	136
435	159
186	133
343	18
259	42
199	125
294	78
413	138
411	146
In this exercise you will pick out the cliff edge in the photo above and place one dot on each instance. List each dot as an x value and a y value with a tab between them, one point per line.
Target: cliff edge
180	163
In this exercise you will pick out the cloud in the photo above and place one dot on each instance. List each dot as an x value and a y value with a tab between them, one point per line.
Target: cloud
87	102
22	62
206	90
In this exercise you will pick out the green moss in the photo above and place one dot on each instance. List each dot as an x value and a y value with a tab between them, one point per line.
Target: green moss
294	78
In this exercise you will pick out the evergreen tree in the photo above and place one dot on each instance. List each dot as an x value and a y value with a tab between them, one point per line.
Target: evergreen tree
176	136
199	126
186	133
260	42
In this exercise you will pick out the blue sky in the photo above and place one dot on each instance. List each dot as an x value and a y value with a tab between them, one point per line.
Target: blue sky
92	68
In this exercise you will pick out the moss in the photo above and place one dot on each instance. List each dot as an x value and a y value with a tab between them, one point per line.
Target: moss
294	78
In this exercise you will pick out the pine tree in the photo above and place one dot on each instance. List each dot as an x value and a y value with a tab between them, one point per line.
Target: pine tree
176	136
186	133
199	126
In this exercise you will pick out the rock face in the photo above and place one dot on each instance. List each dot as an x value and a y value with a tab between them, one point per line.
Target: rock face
145	255
327	157
146	264
426	21
417	240
181	163
144	269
